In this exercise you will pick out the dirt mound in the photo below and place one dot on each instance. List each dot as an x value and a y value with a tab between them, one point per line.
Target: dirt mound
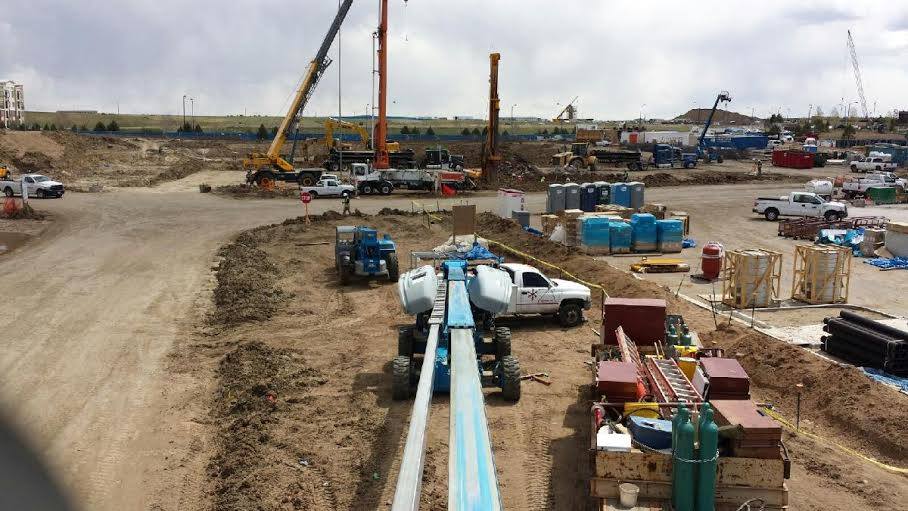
537	181
259	385
178	171
247	191
699	115
21	142
246	280
841	395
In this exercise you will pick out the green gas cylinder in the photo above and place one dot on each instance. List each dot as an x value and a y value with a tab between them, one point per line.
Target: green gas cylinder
681	415
683	470
686	339
672	335
706	470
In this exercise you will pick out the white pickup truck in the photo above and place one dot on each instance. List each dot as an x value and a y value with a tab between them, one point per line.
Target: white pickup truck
534	293
799	204
329	188
35	184
858	186
873	163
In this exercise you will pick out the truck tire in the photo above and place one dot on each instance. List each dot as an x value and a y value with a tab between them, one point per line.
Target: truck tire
577	163
393	267
385	188
405	341
634	166
502	339
570	314
878	168
400	378
688	165
40	193
771	214
314	194
367	189
720	159
264	177
510	378
344	273
306	180
831	216
854	168
8	191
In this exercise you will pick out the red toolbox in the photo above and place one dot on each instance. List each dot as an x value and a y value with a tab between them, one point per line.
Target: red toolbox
643	320
617	381
727	379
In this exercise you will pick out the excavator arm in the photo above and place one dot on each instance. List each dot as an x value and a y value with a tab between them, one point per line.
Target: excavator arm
273	159
331	124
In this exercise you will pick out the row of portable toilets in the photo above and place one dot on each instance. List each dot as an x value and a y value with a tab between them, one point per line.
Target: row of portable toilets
610	235
587	196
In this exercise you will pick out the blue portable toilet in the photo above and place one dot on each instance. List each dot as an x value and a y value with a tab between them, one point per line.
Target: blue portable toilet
620	195
589	197
571	196
636	191
604	191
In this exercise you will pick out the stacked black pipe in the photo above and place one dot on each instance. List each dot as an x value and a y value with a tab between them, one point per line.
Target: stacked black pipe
868	343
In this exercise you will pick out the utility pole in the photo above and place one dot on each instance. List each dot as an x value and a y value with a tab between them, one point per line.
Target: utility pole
192	110
184	113
382	158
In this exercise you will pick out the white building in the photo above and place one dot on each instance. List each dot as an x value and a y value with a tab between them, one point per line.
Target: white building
679	138
12	104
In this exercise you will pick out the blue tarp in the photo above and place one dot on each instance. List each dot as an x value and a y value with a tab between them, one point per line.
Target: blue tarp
850	238
896	263
688	243
479	252
884	377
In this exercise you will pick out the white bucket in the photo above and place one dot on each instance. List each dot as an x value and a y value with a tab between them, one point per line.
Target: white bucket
628	494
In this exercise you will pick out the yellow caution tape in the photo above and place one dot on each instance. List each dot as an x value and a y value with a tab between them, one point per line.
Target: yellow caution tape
775	415
422	207
548	265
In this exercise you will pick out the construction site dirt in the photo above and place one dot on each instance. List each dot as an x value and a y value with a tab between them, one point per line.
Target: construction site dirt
180	395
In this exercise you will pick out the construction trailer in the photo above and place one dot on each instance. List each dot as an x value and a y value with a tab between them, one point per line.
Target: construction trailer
264	169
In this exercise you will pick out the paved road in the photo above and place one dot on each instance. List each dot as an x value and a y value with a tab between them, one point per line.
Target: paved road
95	305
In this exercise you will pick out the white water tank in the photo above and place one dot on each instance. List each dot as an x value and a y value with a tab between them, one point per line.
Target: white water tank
417	288
490	290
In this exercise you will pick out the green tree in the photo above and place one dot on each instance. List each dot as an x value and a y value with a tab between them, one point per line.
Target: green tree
53	127
262	133
465	132
405	130
83	128
430	131
198	128
774	129
505	133
273	131
73	128
36	127
545	132
485	130
113	126
46	127
848	132
476	132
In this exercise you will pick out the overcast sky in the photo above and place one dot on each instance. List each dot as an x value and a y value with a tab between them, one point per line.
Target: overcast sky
248	55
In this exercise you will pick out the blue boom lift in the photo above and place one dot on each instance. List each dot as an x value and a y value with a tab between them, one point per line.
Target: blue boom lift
445	352
711	154
359	251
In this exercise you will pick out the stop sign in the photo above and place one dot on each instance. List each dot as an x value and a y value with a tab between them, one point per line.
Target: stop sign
305	197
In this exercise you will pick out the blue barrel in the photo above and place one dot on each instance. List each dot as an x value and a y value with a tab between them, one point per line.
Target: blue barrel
604	191
670	234
644	232
635	189
589	197
571	196
554	200
619	237
620	195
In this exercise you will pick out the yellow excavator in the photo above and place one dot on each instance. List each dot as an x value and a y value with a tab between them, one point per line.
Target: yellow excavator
332	124
264	169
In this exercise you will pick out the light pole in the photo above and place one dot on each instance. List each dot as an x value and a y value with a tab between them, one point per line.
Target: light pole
182	126
192	110
641	113
512	115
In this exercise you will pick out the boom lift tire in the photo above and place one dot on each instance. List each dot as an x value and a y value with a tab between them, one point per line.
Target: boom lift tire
393	267
510	378
344	273
405	341
400	382
502	338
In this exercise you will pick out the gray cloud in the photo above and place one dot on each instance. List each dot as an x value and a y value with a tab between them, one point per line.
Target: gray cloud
247	55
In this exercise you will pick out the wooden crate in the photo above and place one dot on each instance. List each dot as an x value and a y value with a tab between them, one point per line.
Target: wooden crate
811	283
743	288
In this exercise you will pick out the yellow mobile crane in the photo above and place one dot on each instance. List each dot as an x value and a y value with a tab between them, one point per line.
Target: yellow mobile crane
265	169
331	124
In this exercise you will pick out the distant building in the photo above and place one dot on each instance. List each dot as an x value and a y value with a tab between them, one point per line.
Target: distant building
12	104
903	117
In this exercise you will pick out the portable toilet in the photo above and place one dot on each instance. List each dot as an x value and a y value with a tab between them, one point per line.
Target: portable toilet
635	190
604	190
620	195
571	196
554	200
589	197
644	232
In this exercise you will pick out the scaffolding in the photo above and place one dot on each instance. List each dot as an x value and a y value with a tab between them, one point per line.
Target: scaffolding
822	274
751	278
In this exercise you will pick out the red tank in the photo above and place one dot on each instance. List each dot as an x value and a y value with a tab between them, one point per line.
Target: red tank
711	260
